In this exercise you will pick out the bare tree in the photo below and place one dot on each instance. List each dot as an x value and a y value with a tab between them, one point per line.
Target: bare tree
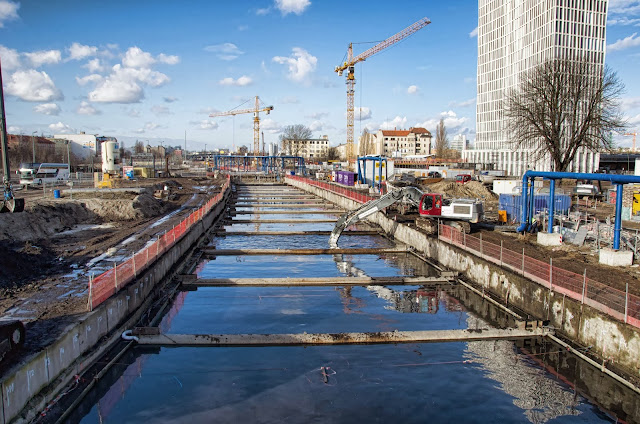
442	144
562	106
291	138
138	147
363	148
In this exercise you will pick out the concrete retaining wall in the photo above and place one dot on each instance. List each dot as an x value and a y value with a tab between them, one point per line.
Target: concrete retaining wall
54	367
614	340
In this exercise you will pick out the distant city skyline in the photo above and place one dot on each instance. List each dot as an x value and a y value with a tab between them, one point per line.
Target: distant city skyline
151	71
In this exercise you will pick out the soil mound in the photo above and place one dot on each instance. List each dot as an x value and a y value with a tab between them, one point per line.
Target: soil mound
472	189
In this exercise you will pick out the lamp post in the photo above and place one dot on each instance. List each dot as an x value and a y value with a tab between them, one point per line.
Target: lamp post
33	146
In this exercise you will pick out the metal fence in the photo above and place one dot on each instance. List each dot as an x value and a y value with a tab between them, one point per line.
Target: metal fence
334	188
112	281
616	303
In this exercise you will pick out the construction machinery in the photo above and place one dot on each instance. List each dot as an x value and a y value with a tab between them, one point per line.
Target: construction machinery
634	134
256	121
9	202
349	66
12	335
432	207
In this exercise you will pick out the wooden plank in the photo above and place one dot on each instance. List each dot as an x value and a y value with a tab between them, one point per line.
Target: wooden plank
304	339
295	233
189	281
210	251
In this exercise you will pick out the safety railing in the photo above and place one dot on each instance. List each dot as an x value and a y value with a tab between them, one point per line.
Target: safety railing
112	281
343	191
616	303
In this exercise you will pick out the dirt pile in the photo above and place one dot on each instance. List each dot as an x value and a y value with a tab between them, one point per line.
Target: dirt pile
472	189
44	218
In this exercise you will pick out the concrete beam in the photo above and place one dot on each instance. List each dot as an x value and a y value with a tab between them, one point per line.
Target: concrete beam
283	221
295	233
210	251
324	211
304	339
192	281
275	205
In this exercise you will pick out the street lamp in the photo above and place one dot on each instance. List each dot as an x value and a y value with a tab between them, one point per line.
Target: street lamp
33	146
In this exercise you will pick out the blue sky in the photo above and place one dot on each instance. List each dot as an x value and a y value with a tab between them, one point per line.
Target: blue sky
151	70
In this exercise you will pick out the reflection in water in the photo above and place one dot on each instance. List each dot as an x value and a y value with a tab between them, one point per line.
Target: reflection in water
542	398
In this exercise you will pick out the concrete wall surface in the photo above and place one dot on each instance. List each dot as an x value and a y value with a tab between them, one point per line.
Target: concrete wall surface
617	342
54	367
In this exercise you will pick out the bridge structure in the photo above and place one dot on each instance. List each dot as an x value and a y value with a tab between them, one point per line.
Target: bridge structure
265	164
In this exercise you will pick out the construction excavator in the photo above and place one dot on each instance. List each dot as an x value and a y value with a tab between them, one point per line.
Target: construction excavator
432	207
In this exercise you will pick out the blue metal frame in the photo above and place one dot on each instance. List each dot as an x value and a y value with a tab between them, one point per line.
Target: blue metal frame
362	172
527	201
268	164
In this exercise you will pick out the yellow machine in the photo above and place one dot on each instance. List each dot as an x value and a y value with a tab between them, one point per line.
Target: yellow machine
635	209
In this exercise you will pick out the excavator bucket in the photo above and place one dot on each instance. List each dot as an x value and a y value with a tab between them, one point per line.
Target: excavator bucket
12	205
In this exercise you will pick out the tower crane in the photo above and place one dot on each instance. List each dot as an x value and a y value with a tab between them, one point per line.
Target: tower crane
634	133
349	65
256	121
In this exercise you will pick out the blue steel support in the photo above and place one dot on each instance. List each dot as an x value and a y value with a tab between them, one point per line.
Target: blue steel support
618	224
552	203
532	203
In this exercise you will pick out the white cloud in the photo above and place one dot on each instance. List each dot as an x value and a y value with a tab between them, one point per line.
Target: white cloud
160	110
10	58
134	113
270	126
225	51
292	6
263	11
122	85
464	103
139	131
168	59
33	86
318	115
396	123
170	99
151	126
473	33
243	27
14	129
43	57
316	126
625	7
624	21
207	125
137	58
86	108
94	65
240	82
8	11
300	64
79	51
413	89
633	120
93	78
361	113
60	128
625	43
47	109
630	103
452	121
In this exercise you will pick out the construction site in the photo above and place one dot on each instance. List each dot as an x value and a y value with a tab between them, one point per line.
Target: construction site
262	287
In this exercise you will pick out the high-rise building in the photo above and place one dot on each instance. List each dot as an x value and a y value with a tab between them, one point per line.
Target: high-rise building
513	37
459	142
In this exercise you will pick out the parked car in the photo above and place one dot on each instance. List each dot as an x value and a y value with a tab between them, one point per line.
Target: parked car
434	174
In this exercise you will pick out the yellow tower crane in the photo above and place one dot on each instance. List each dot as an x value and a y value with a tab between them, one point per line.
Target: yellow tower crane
256	121
351	78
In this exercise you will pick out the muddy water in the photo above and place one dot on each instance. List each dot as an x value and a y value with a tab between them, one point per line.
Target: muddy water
474	382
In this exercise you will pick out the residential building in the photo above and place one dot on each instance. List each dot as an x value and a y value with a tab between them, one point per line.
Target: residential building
312	148
396	143
513	37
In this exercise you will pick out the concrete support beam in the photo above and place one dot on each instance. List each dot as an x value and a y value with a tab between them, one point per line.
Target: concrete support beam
295	233
304	339
210	251
275	205
550	239
193	281
315	212
613	257
283	221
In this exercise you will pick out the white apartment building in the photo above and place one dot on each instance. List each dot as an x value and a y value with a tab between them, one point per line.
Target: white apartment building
308	149
396	143
513	37
459	142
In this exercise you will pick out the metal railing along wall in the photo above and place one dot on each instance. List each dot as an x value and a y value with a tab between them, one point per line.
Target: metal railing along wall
112	281
615	303
343	191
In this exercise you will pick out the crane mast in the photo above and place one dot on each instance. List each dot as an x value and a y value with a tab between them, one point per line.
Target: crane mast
349	65
256	120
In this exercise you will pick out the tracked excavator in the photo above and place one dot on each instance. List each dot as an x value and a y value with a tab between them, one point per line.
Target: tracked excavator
432	207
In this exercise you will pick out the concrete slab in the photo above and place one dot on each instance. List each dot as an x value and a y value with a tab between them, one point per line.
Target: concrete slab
616	257
25	383
550	239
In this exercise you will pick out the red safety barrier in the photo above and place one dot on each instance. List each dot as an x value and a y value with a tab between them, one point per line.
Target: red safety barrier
110	282
615	303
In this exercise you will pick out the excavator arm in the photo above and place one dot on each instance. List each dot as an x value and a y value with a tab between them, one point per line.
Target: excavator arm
411	194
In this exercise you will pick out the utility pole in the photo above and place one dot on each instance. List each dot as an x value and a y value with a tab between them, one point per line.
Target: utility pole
33	145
